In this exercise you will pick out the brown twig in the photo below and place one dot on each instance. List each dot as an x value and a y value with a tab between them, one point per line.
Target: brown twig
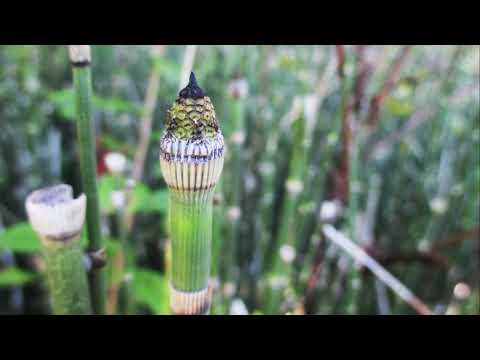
340	51
390	81
342	173
364	70
457	238
424	114
314	277
146	124
390	258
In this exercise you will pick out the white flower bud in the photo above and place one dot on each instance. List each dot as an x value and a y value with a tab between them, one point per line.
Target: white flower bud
115	162
234	213
238	307
237	138
119	199
329	211
461	291
79	53
128	277
439	205
228	289
287	253
238	88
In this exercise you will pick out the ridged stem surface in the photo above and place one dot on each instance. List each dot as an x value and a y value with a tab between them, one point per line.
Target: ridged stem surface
191	230
67	278
86	139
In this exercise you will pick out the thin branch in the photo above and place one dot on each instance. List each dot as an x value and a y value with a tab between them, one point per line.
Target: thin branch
457	238
390	81
149	106
379	271
384	145
314	277
424	257
364	72
424	114
340	51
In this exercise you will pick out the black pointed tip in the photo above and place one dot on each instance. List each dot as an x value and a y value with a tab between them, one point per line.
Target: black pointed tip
193	80
192	90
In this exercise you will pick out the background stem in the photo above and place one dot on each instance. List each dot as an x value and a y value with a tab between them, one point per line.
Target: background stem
86	139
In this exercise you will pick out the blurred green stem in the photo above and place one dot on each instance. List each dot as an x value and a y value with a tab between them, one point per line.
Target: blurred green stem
82	79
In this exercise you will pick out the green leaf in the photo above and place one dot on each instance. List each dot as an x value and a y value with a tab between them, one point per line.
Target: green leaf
112	246
151	289
143	199
20	238
146	201
64	100
13	276
106	185
140	196
115	105
399	107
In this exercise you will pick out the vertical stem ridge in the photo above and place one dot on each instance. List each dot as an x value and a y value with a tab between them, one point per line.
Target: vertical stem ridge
66	278
86	137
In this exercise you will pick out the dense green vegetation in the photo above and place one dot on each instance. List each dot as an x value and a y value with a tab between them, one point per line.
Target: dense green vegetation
381	142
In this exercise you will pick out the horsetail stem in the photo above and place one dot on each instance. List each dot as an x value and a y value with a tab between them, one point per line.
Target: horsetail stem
80	58
58	219
191	159
285	245
238	92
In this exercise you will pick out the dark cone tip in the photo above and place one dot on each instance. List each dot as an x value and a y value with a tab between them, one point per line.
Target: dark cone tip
192	90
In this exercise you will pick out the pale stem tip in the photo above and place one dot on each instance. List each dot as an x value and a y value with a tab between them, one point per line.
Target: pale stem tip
54	214
79	54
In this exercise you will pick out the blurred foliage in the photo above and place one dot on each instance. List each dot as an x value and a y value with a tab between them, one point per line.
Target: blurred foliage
409	194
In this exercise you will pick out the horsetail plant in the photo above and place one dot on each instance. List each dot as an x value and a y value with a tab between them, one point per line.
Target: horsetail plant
58	219
191	160
285	246
80	58
238	92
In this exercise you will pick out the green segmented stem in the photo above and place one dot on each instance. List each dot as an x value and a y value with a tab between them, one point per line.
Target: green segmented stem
288	231
67	278
296	172
191	230
86	138
218	213
231	247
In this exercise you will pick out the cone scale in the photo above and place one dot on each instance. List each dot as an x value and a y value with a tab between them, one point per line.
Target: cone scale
191	159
